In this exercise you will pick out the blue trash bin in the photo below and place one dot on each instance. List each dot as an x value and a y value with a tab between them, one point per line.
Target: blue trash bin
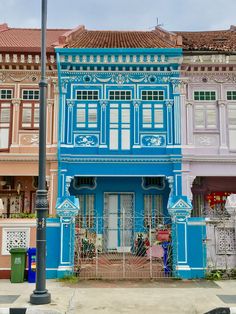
31	264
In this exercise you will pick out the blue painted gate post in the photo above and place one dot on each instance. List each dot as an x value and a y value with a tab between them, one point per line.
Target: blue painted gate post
179	208
67	208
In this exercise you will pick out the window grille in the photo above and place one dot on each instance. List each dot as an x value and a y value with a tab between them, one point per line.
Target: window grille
153	210
30	94
205	95
152	95
5	93
120	95
87	94
85	218
231	95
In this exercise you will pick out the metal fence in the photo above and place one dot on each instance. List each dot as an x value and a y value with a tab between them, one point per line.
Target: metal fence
123	247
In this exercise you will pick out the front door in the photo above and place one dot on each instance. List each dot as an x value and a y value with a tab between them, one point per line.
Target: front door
119	136
119	221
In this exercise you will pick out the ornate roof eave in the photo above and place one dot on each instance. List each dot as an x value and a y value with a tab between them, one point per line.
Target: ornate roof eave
208	52
22	158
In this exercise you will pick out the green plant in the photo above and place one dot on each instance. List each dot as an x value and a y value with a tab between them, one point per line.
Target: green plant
23	215
69	278
215	274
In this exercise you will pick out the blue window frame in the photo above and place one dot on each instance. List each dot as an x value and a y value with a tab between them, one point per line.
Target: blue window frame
152	116
87	115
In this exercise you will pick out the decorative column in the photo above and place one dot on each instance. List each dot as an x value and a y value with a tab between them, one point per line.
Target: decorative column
190	180
15	122
179	208
49	121
55	112
169	105
103	129
223	127
136	124
189	118
67	209
183	112
62	121
170	180
69	122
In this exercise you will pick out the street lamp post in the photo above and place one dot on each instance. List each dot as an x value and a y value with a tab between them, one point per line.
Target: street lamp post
40	295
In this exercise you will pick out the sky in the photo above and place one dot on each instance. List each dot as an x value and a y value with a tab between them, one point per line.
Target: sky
180	15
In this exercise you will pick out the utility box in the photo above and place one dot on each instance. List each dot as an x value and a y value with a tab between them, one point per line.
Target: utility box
31	264
18	258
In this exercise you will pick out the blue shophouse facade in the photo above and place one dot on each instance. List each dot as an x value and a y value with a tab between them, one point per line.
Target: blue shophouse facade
119	149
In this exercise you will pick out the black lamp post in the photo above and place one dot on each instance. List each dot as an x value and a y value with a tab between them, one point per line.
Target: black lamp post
40	295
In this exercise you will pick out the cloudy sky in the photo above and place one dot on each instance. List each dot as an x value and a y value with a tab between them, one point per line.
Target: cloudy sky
122	14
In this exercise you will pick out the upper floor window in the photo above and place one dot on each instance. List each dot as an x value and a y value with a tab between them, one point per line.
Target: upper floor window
87	94
86	116
120	95
5	125
30	115
232	126
205	117
205	95
231	95
30	94
5	93
152	95
152	116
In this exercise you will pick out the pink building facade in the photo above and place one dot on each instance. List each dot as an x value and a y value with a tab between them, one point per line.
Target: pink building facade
19	125
209	136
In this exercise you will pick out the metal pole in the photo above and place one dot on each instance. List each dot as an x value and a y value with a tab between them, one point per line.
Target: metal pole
40	295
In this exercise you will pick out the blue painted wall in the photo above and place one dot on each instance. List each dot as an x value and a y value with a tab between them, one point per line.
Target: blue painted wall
86	150
196	230
53	236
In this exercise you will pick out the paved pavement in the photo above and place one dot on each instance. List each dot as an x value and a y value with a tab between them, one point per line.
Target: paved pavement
113	297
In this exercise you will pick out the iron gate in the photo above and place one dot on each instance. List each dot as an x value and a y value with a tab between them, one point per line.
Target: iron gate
123	246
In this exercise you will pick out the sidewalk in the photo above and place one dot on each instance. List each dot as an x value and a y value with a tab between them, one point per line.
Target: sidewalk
137	297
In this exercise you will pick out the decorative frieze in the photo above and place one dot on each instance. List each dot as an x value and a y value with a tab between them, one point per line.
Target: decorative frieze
212	77
86	140
120	59
29	139
206	140
120	78
153	140
23	58
209	59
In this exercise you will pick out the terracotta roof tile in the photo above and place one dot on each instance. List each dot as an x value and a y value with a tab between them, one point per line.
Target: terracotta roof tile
120	39
22	39
223	40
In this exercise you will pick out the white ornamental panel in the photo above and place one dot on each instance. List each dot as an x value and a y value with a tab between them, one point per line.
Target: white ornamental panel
12	237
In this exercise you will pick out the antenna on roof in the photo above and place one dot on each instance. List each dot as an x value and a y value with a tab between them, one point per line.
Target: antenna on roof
157	25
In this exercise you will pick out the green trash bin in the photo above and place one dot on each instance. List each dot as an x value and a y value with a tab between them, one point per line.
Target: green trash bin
18	259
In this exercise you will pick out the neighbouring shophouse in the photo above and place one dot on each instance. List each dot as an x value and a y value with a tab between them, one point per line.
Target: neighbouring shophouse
19	125
209	137
119	154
